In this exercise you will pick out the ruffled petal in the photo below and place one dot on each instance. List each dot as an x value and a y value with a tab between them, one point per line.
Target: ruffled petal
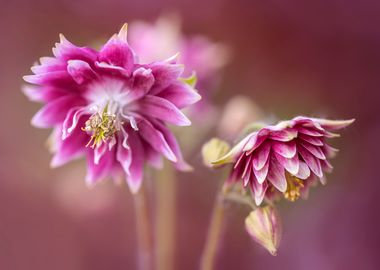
290	164
180	94
117	52
262	173
71	148
80	70
164	75
55	111
162	109
261	156
303	171
315	150
136	168
276	175
285	149
311	161
155	138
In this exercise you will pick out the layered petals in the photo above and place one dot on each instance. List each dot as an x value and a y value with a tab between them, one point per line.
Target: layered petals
284	158
111	108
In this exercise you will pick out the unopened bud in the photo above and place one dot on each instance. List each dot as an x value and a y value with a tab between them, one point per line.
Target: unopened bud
213	150
264	226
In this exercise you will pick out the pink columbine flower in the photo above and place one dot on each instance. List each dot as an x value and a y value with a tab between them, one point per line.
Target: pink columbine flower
107	106
285	158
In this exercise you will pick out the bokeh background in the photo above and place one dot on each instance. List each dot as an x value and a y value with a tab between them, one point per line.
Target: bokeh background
318	58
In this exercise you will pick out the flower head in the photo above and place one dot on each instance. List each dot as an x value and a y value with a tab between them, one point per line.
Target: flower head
285	158
264	226
106	105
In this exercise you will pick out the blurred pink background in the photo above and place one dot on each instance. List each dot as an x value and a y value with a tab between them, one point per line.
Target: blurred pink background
318	58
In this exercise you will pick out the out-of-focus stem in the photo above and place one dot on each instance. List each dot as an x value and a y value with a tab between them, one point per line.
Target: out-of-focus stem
214	234
143	228
165	228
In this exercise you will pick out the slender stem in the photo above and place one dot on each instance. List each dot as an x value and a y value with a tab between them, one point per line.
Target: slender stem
214	234
165	226
143	223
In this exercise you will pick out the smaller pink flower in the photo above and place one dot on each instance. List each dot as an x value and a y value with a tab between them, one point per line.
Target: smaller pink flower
285	158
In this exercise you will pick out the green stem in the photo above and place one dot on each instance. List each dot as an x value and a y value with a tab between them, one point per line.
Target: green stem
143	229
165	226
214	234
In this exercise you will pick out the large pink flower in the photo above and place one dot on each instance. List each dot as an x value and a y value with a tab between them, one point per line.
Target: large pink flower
285	158
107	106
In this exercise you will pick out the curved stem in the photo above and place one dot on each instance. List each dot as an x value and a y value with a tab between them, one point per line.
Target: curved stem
165	225
213	235
143	229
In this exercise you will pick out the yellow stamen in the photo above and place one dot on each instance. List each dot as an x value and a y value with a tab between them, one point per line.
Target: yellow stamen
293	192
103	126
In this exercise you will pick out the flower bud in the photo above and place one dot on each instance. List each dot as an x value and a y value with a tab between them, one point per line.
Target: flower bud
213	150
264	226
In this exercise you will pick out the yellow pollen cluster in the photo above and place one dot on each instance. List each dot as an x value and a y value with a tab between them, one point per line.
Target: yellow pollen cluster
293	192
102	126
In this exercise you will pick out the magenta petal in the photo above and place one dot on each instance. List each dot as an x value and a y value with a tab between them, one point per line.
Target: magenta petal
164	75
80	71
311	132
96	172
181	164
180	94
261	156
55	112
283	135
65	50
262	173
50	78
255	140
310	139
303	172
285	149
117	53
315	150
276	175
258	191
135	177
290	164
123	155
143	79
313	162
155	138
70	149
162	109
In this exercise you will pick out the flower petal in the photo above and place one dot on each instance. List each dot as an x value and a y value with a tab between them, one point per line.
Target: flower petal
303	171
334	124
155	138
290	164
285	149
117	52
262	173
311	161
135	177
261	156
80	71
164	75
315	150
162	109
180	94
55	112
276	175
